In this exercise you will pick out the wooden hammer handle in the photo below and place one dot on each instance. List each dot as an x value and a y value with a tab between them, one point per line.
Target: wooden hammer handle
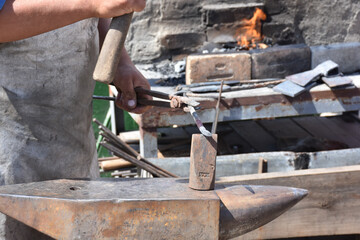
110	53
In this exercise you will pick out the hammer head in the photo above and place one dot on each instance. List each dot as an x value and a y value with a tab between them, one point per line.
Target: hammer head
203	162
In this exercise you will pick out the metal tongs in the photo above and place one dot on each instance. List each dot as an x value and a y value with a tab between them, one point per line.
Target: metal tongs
187	104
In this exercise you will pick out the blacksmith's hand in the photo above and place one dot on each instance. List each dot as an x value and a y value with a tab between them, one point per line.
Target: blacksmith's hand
127	78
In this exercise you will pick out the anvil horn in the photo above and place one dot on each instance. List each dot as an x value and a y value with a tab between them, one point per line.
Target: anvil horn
245	208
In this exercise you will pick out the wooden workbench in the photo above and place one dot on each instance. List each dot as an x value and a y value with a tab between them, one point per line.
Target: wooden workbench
248	104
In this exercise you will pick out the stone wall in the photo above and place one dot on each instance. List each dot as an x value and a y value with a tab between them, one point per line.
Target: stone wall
169	28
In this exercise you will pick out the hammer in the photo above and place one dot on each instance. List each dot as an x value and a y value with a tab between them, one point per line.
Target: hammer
203	156
110	53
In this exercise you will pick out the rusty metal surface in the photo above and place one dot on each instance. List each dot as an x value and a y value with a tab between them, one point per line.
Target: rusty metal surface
143	208
203	162
246	207
175	101
133	209
219	66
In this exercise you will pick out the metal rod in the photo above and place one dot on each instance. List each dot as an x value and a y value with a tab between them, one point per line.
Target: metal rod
133	160
217	110
113	142
130	150
154	167
199	123
104	98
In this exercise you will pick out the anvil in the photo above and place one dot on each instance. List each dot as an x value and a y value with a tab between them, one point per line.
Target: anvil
162	208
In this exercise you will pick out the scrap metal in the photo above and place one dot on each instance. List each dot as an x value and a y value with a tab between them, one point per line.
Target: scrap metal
337	81
143	208
228	85
324	69
289	88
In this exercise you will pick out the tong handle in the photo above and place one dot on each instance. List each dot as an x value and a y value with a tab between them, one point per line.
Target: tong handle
153	93
146	102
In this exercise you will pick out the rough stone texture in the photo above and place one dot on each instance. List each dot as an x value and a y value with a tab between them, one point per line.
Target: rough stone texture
279	33
313	22
183	40
175	9
316	22
279	62
228	13
346	55
222	33
216	67
160	19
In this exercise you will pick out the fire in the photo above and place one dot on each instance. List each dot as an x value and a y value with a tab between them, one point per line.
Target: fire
249	35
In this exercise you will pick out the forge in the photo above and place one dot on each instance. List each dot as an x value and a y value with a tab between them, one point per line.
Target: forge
170	29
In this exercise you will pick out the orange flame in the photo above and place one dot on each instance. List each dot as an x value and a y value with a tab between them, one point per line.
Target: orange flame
250	34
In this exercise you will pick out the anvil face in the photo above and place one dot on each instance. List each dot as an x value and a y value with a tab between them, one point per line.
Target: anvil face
161	208
124	209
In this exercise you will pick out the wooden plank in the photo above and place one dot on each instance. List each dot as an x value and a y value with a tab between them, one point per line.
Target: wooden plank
350	125
331	208
318	129
315	127
255	135
232	143
241	164
341	132
284	128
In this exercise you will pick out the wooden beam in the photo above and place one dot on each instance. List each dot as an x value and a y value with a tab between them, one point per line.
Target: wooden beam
331	208
242	164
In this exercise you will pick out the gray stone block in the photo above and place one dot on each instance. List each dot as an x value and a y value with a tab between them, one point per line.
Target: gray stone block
182	40
279	33
228	13
279	62
346	55
175	9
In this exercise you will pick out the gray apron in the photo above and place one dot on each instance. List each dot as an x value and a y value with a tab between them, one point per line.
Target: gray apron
45	110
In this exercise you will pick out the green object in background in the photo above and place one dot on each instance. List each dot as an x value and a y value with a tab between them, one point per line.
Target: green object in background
105	174
100	109
101	113
129	123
